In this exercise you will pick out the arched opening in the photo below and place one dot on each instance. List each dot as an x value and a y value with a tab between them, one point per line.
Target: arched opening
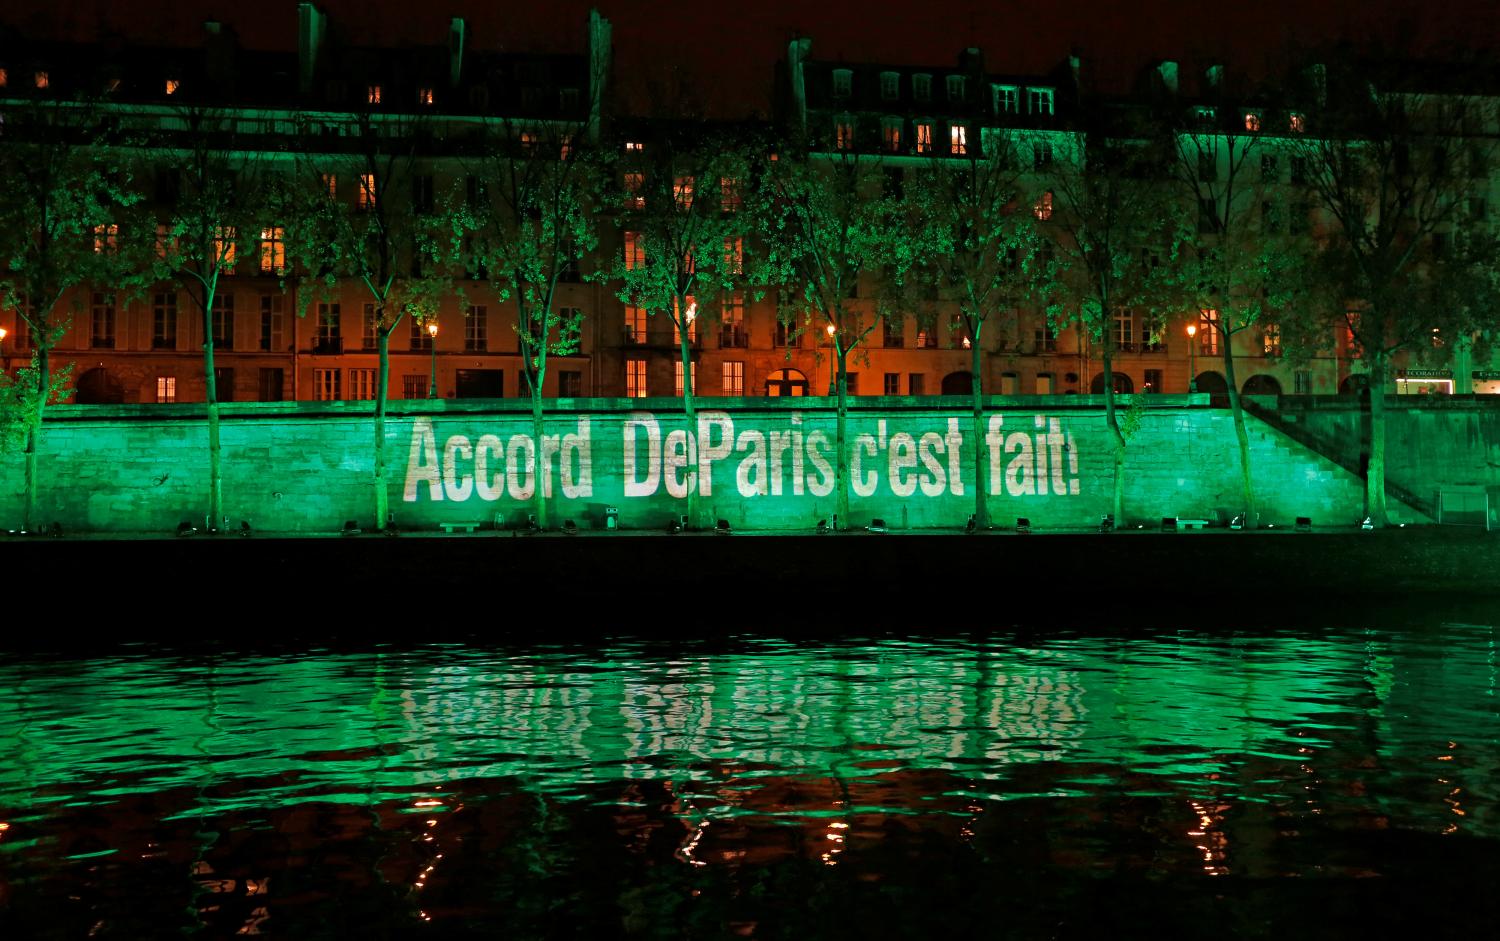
1262	384
98	387
786	382
1357	384
1211	382
958	383
1122	383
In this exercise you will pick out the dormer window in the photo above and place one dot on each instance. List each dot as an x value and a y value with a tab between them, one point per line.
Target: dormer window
479	97
921	87
843	132
843	83
1252	121
41	79
1007	99
4	78
634	147
1203	115
924	137
955	88
110	87
1296	123
424	96
890	85
890	134
958	140
1039	100
172	86
372	94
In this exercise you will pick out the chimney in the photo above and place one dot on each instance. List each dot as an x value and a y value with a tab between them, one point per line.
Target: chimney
312	25
455	51
1167	72
600	52
797	52
1075	69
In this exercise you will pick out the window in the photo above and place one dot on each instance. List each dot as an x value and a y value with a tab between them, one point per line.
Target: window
1208	333
166	388
224	383
734	256
733	334
1252	121
1302	382
476	329
634	147
1208	165
479	97
635	250
1153	381
1010	384
927	340
270	322
102	335
843	132
1203	115
921	87
635	378
677	377
361	384
424	96
414	387
692	322
569	383
372	94
1045	382
958	140
1124	325
1478	208
224	239
1270	169
956	88
369	337
682	192
890	85
172	86
273	250
1041	154
565	148
421	194
1296	123
635	324
731	197
223	320
916	384
892	333
843	83
164	321
1351	340
891	384
421	337
890	134
734	378
1007	99
851	383
4	78
41	79
1039	100
106	239
1043	208
367	191
787	333
328	339
326	385
270	384
1045	338
1271	340
165	243
924	137
330	184
633	183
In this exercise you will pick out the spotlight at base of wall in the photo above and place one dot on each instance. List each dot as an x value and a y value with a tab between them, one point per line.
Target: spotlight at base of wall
1367	523
673	527
822	528
1303	524
1023	525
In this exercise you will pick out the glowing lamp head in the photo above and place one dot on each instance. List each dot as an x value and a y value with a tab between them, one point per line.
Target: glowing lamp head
832	330
432	328
1192	329
3	333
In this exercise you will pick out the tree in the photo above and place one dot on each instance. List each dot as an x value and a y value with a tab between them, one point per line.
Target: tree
529	222
685	240
977	242
827	225
1243	266
214	190
365	215
1384	168
65	220
1118	230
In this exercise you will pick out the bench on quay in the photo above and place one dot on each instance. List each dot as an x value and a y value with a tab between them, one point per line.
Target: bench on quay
451	528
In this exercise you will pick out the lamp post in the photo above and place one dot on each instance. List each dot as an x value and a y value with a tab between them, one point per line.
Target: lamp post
1192	332
4	357
432	346
833	365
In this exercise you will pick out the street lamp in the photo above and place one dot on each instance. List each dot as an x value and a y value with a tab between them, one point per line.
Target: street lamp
1192	332
432	345
833	365
4	357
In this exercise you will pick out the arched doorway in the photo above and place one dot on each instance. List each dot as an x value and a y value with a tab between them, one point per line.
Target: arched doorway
786	382
98	387
1211	382
1122	383
1262	384
1356	384
958	383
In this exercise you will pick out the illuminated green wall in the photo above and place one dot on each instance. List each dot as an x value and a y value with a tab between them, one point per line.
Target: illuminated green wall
760	464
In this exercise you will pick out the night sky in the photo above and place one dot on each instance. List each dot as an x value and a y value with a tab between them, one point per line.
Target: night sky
728	49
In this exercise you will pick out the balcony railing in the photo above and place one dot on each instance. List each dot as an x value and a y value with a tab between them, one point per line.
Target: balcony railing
328	346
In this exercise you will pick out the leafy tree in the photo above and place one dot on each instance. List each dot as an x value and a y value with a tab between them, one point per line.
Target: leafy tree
977	242
528	222
66	211
685	239
1410	263
366	216
1118	230
827	226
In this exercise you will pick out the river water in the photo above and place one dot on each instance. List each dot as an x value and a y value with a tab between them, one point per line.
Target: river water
1243	783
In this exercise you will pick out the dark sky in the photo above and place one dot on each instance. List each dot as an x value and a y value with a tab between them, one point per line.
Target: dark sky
728	48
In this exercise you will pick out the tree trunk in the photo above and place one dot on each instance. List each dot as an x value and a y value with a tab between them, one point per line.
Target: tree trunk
538	429
1375	472
211	394
1117	504
841	443
34	436
382	381
690	412
1237	410
981	460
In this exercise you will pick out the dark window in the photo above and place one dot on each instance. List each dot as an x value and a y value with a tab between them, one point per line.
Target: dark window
272	382
892	333
569	383
480	384
224	383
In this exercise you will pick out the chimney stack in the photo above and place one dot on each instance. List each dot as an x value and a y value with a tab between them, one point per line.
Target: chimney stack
455	51
312	24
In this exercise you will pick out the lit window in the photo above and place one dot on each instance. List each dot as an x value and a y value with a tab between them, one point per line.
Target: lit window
682	192
677	377
1007	99
224	237
1043	207
890	134
166	388
731	199
1203	115
41	79
734	378
1039	100
921	87
372	94
634	147
172	86
955	88
326	385
528	141
1208	333
732	321
635	378
1252	121
106	239
843	83
331	184
4	78
890	85
843	133
164	241
1124	324
633	183
734	256
635	324
1295	123
635	251
273	249
958	140
1271	340
366	191
476	328
924	137
424	96
691	316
